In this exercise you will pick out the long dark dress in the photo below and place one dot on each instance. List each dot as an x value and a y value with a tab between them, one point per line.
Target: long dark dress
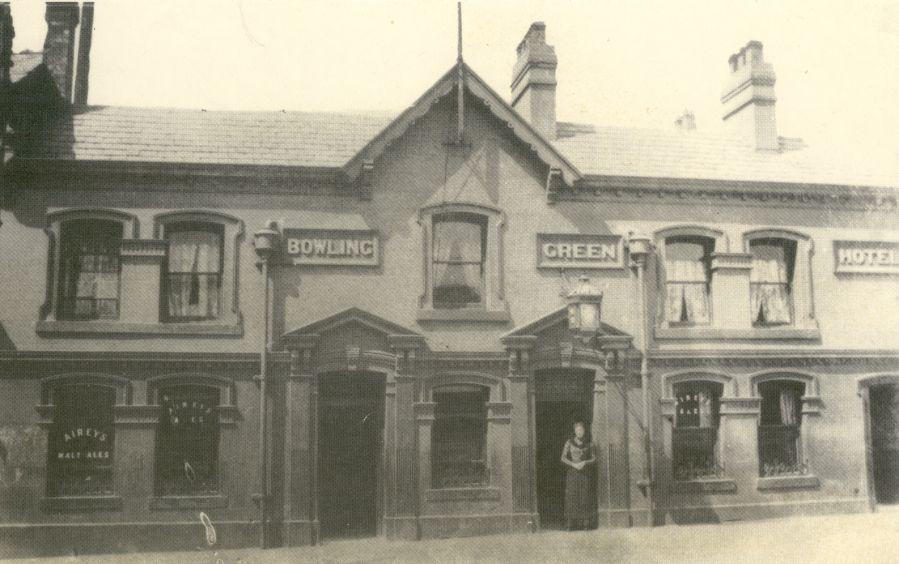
578	494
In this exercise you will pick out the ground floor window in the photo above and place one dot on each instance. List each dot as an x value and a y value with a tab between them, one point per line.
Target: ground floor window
81	441
187	440
779	428
459	439
695	433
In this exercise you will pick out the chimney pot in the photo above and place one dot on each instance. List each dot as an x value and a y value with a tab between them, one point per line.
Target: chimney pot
534	81
686	122
83	65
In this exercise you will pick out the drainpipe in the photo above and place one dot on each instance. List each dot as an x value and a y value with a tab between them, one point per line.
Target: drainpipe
640	247
265	242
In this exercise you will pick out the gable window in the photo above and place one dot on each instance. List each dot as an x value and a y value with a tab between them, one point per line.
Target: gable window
687	279
779	428
459	254
89	269
771	281
81	441
695	433
187	440
459	437
463	263
193	277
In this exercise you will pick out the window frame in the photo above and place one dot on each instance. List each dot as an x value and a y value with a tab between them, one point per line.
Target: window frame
50	310
790	249
68	293
483	420
459	218
232	232
718	389
801	283
493	307
775	386
190	227
719	244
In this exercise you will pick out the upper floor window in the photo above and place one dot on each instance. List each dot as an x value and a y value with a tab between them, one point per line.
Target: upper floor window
81	441
771	280
187	440
695	433
459	437
687	279
779	428
89	269
463	266
459	255
193	278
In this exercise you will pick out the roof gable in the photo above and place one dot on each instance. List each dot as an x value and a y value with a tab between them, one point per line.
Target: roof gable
560	317
352	315
496	105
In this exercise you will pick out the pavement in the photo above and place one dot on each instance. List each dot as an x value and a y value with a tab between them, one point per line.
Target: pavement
869	538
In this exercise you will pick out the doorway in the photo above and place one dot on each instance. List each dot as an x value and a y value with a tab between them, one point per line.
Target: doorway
884	401
350	445
562	398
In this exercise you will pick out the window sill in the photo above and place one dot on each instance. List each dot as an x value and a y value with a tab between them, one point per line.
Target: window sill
755	333
706	485
807	481
93	328
189	502
464	314
464	494
81	503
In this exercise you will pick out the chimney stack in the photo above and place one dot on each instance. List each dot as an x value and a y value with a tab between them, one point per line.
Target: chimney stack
7	32
534	81
748	97
61	45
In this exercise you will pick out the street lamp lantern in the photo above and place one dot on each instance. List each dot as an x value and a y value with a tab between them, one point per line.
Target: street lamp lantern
585	308
265	240
639	247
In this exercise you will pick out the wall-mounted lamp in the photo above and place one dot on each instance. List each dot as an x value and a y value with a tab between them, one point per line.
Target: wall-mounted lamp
584	308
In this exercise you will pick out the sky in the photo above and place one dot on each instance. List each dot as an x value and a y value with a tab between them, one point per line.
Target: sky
636	63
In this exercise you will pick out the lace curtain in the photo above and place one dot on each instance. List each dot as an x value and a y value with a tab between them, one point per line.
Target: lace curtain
194	274
687	283
769	278
458	261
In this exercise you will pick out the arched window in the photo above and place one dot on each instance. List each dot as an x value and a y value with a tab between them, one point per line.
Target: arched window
463	274
459	437
459	252
187	439
695	434
688	260
771	280
89	269
81	440
779	436
192	285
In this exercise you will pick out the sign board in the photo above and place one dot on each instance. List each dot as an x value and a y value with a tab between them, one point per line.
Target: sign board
866	257
556	250
331	247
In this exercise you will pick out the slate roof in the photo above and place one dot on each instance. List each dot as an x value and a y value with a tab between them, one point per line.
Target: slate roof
673	153
332	140
293	139
23	63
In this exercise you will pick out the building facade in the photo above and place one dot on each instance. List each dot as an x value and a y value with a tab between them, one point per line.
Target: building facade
429	301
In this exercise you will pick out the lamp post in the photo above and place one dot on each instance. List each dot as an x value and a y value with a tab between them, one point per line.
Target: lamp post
640	247
584	309
265	242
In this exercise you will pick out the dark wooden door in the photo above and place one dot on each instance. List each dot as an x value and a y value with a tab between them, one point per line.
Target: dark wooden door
350	442
885	442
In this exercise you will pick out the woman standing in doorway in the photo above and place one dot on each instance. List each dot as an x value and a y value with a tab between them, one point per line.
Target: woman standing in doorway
578	456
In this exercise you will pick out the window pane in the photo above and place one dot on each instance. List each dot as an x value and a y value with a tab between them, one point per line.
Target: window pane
81	441
458	248
187	440
771	280
780	421
687	272
459	440
89	286
193	282
695	436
